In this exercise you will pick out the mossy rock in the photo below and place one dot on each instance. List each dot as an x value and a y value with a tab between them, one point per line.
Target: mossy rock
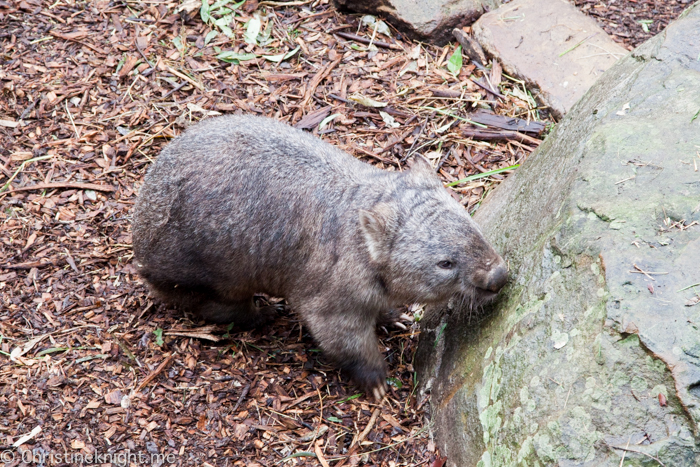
585	359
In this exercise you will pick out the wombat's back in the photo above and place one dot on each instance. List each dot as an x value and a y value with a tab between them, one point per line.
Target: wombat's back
249	193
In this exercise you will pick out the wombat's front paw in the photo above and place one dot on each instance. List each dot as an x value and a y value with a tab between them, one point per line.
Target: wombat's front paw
370	380
266	314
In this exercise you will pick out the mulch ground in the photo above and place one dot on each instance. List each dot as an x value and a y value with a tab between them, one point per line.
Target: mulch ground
90	364
631	22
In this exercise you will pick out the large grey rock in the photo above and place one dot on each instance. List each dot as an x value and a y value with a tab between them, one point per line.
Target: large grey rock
430	20
556	49
583	357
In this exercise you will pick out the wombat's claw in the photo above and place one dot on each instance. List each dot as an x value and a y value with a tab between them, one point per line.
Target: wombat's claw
400	325
406	318
379	392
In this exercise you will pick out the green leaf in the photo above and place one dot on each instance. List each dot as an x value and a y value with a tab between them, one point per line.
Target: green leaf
281	57
645	24
225	3
394	382
482	175
235	57
695	116
252	30
264	37
334	419
159	336
348	399
224	21
204	12
327	120
228	32
228	331
178	43
219	4
210	35
121	63
455	62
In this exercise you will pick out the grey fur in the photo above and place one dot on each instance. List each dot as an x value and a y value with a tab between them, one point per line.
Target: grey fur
239	205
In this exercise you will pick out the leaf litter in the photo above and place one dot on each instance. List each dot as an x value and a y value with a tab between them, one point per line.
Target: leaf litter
90	364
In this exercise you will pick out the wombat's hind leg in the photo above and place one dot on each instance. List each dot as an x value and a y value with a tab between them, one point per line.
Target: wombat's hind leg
243	314
351	342
208	304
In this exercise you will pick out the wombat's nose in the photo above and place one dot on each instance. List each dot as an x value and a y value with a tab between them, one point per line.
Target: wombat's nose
497	278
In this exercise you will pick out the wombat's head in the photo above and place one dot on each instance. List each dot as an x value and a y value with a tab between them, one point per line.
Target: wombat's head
426	245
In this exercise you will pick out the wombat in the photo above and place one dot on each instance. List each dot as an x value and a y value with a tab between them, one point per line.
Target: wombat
243	205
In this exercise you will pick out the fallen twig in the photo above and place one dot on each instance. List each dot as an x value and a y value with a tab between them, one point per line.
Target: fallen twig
362	40
70	185
156	372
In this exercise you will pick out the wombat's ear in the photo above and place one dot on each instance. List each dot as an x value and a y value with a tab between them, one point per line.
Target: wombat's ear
377	225
421	166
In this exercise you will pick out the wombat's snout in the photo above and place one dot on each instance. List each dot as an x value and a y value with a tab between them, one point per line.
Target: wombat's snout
492	276
497	277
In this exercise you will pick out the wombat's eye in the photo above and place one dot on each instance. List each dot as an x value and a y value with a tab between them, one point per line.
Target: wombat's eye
446	264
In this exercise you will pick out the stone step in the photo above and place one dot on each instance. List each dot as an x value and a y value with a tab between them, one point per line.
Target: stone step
551	45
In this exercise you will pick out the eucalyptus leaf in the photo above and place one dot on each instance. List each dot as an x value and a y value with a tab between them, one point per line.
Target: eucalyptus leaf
366	101
368	20
389	120
382	28
223	24
281	57
252	30
411	67
225	3
327	120
228	32
204	12
218	5
178	43
223	21
454	64
210	35
235	57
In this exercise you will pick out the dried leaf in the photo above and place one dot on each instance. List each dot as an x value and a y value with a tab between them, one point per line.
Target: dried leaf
389	120
281	57
662	400
366	101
